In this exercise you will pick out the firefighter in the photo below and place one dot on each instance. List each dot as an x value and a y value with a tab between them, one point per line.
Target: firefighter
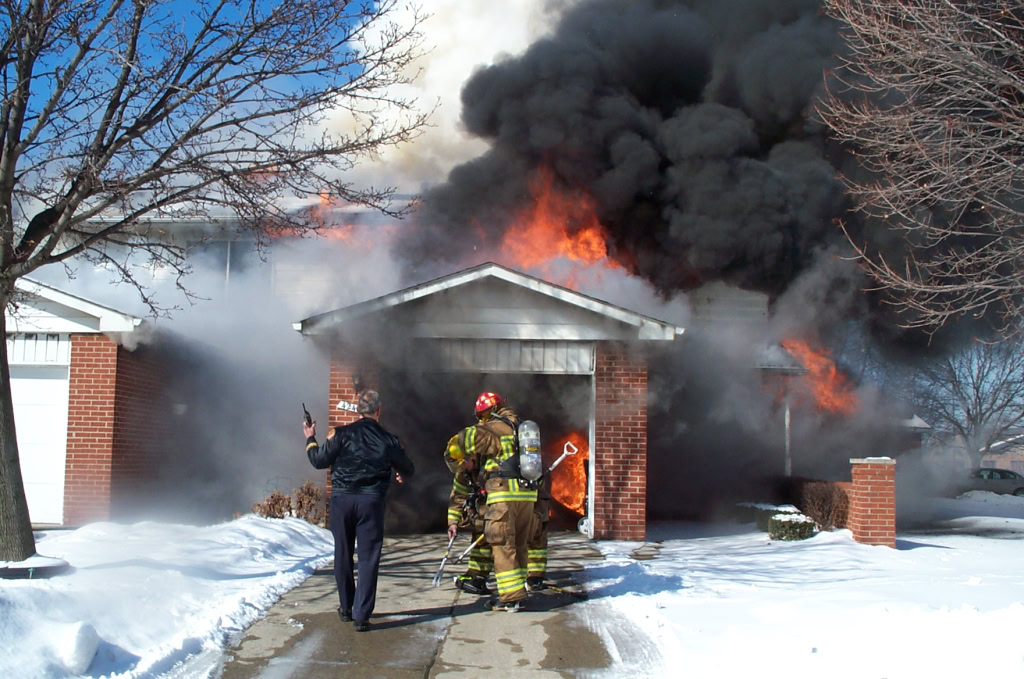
465	512
537	547
508	517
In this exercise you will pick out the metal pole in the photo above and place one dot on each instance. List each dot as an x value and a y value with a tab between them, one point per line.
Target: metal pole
789	457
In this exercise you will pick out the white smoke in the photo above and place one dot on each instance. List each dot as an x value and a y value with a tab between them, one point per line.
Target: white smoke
460	37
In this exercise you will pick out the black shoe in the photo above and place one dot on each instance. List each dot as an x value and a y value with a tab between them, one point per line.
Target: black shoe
506	606
473	585
361	626
345	615
535	584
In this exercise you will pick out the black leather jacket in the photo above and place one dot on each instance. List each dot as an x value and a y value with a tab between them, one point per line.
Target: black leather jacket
361	456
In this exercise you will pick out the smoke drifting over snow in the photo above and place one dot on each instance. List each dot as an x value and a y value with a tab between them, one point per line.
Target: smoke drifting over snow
232	403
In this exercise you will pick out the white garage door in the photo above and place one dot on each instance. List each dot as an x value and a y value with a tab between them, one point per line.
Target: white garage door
40	395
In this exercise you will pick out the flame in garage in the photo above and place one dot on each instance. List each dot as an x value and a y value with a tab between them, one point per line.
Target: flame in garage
569	478
557	225
829	389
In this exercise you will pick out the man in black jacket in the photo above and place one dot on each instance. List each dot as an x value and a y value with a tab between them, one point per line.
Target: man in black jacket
361	456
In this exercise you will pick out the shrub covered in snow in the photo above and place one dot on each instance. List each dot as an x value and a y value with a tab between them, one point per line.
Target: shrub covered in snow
791	526
764	512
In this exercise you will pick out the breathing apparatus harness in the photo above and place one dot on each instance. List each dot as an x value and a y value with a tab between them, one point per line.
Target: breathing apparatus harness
525	462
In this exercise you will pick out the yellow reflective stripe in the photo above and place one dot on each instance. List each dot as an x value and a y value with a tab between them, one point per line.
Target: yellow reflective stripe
460	488
510	581
515	493
482	561
508	446
510	496
537	561
311	444
454	514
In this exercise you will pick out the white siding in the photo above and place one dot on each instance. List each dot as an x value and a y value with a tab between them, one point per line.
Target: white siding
495	310
536	356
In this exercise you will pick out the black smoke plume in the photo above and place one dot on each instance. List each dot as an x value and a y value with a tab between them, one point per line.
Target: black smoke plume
689	123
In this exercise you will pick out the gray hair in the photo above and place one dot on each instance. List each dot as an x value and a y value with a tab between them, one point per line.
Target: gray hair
369	402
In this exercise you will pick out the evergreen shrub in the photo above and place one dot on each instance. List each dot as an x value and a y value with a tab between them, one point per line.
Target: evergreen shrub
790	526
764	512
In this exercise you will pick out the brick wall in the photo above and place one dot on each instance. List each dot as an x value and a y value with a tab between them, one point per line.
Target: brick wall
872	517
91	395
114	426
140	425
619	463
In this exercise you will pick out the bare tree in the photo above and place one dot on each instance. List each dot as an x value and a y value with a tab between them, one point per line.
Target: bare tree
929	98
115	112
975	394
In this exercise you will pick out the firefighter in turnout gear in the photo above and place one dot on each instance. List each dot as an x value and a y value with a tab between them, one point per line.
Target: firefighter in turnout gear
537	554
465	512
508	517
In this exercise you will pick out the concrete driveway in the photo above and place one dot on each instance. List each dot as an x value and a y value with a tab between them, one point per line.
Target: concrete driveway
423	631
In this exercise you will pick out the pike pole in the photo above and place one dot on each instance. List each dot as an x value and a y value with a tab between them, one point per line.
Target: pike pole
440	571
473	544
567	449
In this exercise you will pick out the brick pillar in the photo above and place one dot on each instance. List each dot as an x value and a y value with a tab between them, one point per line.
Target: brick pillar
872	517
345	367
91	393
142	428
619	462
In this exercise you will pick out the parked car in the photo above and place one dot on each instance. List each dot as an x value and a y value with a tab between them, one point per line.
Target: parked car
995	480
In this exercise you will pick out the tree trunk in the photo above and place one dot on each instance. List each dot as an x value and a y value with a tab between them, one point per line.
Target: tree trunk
975	455
16	540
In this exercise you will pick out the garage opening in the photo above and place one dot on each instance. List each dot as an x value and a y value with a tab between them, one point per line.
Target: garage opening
437	404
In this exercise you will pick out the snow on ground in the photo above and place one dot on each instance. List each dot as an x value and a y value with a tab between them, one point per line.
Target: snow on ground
715	601
721	601
154	594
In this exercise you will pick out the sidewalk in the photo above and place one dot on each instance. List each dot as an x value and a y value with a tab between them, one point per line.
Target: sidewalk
423	631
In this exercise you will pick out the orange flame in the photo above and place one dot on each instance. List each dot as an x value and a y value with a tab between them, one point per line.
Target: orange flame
829	388
569	478
556	225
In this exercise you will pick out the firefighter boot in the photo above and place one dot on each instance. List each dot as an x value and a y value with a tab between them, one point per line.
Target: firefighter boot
472	584
535	584
506	606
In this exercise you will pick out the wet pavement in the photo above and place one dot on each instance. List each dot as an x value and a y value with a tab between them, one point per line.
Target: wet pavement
419	630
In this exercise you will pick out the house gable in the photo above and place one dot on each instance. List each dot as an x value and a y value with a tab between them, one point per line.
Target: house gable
44	309
492	302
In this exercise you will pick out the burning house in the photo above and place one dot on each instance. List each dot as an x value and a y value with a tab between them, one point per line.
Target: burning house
573	363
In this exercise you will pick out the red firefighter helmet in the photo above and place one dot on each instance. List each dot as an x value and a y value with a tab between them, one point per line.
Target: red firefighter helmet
487	400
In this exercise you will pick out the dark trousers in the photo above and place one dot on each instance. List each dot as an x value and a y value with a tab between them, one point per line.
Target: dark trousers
357	521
